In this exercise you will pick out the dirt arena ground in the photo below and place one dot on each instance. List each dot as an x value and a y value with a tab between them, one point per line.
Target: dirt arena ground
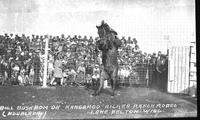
22	102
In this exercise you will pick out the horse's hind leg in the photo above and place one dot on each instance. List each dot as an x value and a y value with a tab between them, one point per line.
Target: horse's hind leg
112	86
113	81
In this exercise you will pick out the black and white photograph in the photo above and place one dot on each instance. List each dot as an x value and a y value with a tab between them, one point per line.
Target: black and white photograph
97	59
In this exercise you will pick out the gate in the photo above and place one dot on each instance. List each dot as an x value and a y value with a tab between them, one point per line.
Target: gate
193	70
178	69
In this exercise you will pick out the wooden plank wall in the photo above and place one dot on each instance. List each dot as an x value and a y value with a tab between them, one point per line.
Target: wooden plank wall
178	69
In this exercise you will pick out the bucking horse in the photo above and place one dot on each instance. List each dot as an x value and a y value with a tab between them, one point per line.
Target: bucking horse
108	45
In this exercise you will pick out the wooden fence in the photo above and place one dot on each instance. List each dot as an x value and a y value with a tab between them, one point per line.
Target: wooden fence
178	69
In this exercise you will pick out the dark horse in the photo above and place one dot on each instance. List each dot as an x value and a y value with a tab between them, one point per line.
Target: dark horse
108	44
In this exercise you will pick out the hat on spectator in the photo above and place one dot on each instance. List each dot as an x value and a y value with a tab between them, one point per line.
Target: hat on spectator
66	70
162	55
22	53
30	53
16	68
154	53
96	65
11	58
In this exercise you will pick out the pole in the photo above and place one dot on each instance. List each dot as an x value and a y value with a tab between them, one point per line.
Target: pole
45	61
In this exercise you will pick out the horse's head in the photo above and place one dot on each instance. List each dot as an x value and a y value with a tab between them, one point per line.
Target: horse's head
108	37
104	29
101	31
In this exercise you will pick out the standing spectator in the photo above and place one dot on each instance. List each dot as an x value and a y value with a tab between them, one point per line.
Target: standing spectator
2	49
81	72
95	79
158	70
153	66
50	67
21	78
164	73
72	76
65	76
96	75
9	68
57	71
89	72
2	70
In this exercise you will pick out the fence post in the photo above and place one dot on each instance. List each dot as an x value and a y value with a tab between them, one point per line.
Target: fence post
45	62
147	76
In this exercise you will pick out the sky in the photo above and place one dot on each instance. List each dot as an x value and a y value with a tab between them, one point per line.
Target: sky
156	24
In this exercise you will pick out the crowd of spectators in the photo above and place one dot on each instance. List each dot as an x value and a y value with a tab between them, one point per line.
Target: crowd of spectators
71	60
